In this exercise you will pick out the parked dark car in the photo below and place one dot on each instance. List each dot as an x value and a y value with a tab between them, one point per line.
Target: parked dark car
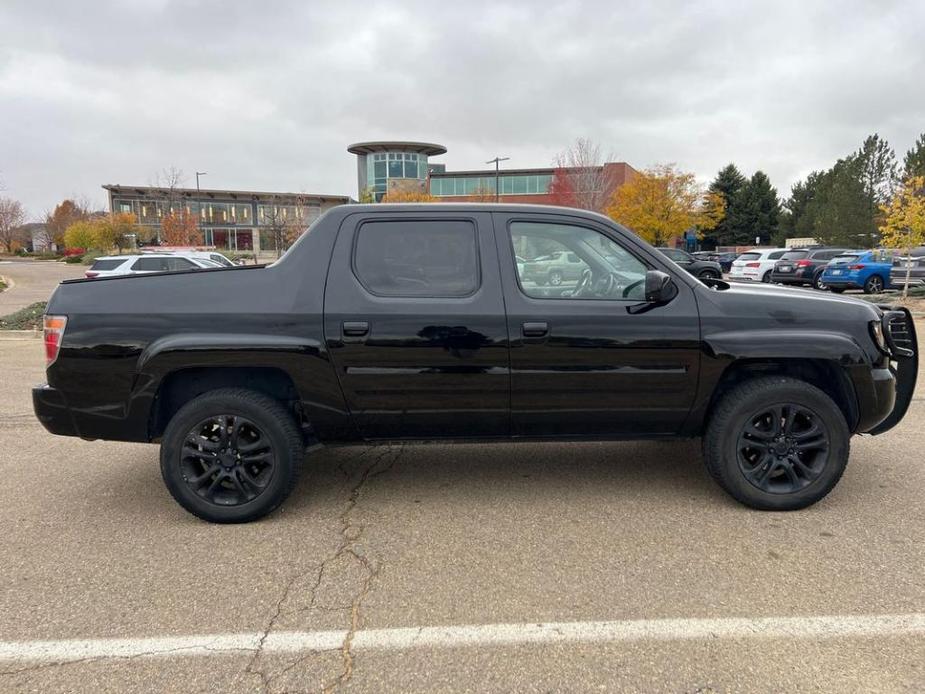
911	267
704	269
412	323
804	266
725	260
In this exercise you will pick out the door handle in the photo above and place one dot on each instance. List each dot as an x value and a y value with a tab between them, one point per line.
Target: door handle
535	329
355	328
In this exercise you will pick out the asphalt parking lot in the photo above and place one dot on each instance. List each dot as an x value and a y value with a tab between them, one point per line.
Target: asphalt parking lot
522	567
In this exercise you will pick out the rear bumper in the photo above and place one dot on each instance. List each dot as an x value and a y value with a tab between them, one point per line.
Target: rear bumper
842	283
790	278
52	411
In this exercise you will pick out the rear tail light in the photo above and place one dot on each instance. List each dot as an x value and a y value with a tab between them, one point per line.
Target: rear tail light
752	264
54	332
804	263
857	267
91	274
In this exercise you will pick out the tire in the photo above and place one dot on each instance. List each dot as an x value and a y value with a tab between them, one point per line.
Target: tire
818	283
555	278
708	275
233	490
766	277
794	481
873	285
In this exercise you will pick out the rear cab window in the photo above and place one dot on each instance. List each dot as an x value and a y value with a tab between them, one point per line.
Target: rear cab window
843	259
108	264
794	255
417	258
749	256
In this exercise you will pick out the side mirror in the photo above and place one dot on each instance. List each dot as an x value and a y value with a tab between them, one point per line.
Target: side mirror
660	288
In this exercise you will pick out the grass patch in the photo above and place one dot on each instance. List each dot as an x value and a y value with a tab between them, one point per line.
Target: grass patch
28	318
2	285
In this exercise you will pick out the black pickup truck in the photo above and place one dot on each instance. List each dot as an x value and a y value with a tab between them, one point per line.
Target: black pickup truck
413	323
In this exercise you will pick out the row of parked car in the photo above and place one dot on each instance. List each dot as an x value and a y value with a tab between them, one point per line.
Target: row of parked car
822	267
166	261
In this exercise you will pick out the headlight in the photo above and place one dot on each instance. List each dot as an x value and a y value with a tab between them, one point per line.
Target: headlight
876	332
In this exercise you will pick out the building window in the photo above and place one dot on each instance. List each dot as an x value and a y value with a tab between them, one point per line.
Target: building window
471	185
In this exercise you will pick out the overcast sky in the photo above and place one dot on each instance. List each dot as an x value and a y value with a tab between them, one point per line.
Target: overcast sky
267	95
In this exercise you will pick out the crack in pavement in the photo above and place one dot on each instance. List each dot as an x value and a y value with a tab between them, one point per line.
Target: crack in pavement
349	540
350	535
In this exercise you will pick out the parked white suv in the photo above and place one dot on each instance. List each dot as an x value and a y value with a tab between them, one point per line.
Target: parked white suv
114	265
756	265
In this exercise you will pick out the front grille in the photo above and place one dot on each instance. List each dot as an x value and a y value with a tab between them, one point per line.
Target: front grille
899	333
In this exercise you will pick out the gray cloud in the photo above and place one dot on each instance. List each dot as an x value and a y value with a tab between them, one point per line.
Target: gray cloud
268	95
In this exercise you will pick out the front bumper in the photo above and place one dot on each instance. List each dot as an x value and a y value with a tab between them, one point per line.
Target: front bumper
899	330
52	411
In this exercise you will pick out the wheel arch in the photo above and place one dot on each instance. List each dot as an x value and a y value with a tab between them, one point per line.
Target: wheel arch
180	386
825	374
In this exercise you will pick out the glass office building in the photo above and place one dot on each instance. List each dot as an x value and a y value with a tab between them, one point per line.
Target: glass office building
392	166
231	220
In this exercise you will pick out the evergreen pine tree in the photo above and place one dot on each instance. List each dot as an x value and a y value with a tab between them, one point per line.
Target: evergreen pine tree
757	211
728	183
914	161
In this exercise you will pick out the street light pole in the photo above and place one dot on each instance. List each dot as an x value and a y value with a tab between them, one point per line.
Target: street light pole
198	201
497	162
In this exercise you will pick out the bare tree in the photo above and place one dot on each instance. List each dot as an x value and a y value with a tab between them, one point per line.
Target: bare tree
580	169
285	219
11	221
175	205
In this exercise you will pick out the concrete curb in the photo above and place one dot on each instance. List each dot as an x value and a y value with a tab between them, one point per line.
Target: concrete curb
6	335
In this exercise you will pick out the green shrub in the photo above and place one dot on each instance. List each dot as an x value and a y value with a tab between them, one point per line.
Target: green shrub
28	318
73	259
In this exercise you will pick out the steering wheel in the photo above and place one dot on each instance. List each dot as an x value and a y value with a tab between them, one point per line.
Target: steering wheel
583	282
630	287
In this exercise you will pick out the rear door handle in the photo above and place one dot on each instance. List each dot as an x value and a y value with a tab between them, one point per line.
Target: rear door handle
535	329
355	328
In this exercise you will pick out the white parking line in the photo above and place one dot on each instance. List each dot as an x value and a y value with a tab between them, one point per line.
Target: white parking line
472	635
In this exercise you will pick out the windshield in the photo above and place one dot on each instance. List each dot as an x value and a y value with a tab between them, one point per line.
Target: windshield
794	255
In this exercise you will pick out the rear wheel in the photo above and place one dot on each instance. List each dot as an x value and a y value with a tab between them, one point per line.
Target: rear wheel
818	283
708	275
777	444
555	278
873	285
766	277
231	455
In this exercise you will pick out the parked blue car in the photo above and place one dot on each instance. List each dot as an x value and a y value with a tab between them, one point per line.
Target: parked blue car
867	270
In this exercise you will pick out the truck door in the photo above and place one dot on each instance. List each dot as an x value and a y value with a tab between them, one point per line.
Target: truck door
414	320
584	361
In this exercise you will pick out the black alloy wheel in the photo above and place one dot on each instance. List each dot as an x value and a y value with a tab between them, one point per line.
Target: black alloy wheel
227	460
783	448
708	275
776	443
231	455
555	278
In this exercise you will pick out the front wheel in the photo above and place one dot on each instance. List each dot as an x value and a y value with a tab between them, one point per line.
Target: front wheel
708	275
873	285
231	455
555	278
776	444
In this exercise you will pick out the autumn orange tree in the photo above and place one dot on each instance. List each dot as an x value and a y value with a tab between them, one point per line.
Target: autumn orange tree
179	228
65	213
409	196
904	221
663	202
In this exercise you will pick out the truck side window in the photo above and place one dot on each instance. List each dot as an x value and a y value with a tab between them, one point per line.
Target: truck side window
417	258
605	269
